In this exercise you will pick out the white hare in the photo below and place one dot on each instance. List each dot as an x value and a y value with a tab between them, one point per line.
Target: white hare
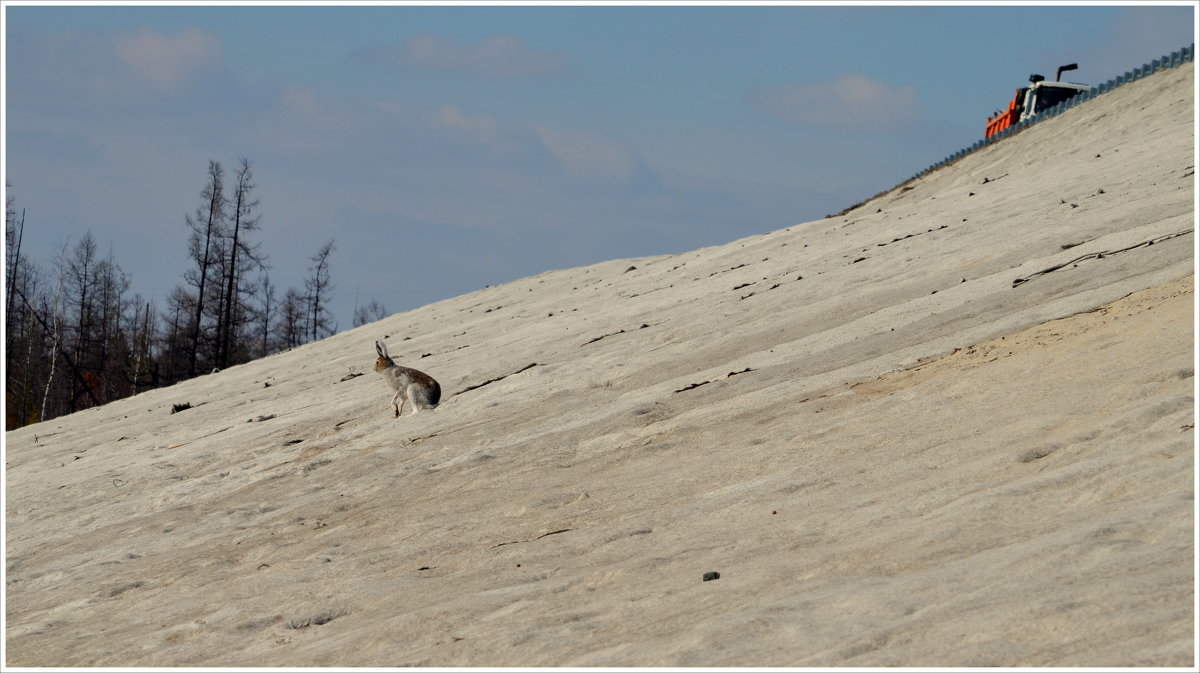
408	383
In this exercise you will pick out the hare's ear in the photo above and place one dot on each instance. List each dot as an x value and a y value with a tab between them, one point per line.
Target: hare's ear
381	349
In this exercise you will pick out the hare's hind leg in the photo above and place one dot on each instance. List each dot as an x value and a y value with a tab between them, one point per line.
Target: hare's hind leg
422	398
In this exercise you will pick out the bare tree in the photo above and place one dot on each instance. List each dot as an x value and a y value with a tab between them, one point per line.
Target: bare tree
52	322
203	242
75	338
265	313
18	337
319	286
25	346
14	232
177	340
369	313
55	335
81	313
142	374
112	339
290	328
241	257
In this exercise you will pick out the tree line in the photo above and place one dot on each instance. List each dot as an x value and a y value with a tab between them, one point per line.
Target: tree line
77	337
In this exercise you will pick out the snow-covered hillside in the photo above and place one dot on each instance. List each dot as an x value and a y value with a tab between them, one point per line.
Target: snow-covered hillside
952	427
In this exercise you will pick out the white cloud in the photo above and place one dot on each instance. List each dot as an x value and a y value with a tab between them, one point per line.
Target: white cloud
851	101
166	60
586	156
302	102
479	127
316	112
496	56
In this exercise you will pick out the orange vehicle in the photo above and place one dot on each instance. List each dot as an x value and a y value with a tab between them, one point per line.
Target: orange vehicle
1034	99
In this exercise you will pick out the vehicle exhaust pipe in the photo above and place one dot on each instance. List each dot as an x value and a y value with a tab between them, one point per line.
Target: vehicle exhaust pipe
1064	68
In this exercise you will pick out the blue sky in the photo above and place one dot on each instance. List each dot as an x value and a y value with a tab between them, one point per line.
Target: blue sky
447	148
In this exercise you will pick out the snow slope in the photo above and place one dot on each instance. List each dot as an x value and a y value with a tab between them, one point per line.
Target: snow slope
899	437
